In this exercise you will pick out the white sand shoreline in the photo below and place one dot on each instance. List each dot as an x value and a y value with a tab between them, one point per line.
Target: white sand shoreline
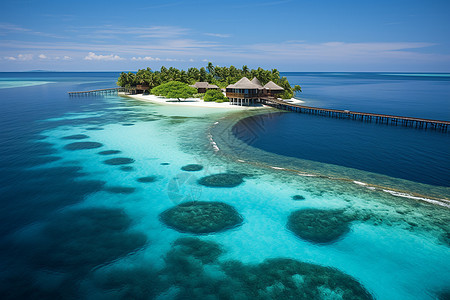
196	102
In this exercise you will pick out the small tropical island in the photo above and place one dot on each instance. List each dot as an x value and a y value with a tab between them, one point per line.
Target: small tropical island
212	86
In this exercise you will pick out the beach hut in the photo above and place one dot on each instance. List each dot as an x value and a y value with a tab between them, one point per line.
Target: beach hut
246	92
243	92
141	88
272	89
257	82
203	86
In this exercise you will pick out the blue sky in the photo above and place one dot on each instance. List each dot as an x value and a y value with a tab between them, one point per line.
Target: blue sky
305	35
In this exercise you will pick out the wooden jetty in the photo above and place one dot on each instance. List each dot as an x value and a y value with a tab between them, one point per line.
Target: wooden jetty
110	91
361	116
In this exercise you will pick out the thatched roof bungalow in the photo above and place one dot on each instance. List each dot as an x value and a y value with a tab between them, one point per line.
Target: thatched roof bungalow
245	92
203	86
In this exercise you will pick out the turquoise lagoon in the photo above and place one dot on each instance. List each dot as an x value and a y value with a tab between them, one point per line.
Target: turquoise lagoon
83	226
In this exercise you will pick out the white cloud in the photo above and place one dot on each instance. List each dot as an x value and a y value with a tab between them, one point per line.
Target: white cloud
25	56
146	58
220	35
67	57
149	58
7	28
113	32
21	57
339	51
42	56
93	56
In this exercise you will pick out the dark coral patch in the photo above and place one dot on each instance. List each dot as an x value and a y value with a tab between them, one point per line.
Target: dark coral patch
222	180
192	168
79	240
109	152
120	190
95	128
283	278
147	179
76	137
298	197
206	252
444	295
201	217
142	282
164	164
319	226
126	168
128	124
82	146
119	161
190	261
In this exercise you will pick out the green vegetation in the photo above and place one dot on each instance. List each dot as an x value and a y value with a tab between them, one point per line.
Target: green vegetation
199	95
220	76
174	89
215	95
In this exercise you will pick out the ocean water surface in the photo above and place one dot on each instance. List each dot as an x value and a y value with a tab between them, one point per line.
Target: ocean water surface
106	197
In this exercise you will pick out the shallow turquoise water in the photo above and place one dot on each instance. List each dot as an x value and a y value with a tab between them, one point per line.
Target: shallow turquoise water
395	248
4	84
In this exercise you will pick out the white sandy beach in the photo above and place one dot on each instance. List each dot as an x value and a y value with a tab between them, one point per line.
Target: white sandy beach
196	102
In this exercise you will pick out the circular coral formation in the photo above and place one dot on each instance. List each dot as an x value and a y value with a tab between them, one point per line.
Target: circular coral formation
298	197
147	179
319	226
192	168
76	137
119	161
201	217
222	180
82	146
109	152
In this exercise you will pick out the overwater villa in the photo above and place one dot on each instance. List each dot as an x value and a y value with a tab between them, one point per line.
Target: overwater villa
248	92
202	86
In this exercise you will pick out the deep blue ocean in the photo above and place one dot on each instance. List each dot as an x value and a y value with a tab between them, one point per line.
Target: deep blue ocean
109	197
408	153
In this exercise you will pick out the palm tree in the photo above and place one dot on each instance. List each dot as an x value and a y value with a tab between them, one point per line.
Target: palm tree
211	69
202	74
245	70
275	75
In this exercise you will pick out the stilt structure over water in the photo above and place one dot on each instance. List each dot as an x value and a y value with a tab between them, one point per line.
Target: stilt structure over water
361	116
246	92
110	91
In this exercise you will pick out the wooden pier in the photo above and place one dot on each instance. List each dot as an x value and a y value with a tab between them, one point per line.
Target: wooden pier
361	116
110	91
